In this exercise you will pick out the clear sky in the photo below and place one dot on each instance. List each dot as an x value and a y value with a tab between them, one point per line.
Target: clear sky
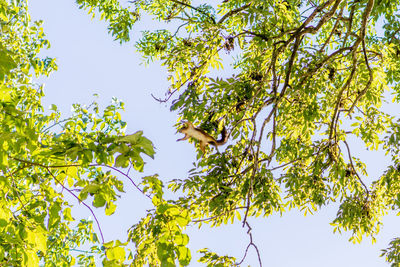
91	62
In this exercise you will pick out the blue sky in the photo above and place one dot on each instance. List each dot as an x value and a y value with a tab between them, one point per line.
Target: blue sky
91	62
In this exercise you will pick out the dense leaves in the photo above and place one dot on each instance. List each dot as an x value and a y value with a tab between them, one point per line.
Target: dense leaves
308	79
305	80
159	237
45	157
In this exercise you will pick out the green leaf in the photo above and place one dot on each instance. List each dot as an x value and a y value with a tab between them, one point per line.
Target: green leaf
3	222
184	256
147	146
137	140
109	244
131	138
32	259
67	214
122	161
5	94
7	63
99	201
38	238
181	239
110	208
91	188
116	253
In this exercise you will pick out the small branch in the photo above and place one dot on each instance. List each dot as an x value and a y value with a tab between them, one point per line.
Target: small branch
254	169
265	37
332	31
366	14
247	208
64	120
82	251
354	169
14	186
296	45
80	201
127	176
44	166
367	86
251	243
350	24
244	256
394	35
177	30
179	87
256	161
233	12
194	8
311	72
168	97
216	216
339	97
78	165
273	139
57	123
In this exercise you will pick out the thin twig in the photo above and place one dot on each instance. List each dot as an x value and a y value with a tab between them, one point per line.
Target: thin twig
233	12
55	124
14	186
127	176
216	216
251	243
354	169
194	8
78	165
366	15
80	201
332	31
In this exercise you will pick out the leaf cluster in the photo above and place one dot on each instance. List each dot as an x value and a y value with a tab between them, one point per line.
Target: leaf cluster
48	161
302	81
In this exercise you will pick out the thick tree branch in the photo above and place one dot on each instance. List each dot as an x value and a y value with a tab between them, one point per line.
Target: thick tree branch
310	72
332	31
349	25
366	15
322	21
339	97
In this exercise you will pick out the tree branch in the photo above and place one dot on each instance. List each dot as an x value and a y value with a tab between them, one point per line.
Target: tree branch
354	169
233	12
332	31
216	216
366	15
78	165
251	243
80	201
194	8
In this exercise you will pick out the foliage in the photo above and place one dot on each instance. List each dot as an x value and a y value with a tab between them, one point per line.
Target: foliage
212	259
308	78
158	237
120	19
43	158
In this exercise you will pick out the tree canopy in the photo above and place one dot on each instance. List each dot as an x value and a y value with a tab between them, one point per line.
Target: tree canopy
44	156
306	80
